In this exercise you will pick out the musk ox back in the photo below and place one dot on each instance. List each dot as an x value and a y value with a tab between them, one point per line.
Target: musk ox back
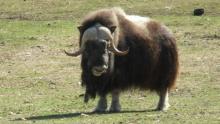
120	52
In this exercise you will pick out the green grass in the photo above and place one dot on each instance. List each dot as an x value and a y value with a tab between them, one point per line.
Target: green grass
38	81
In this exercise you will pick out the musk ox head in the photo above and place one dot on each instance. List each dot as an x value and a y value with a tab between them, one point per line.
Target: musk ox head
97	44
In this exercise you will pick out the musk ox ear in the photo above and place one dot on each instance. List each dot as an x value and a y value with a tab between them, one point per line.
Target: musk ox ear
112	29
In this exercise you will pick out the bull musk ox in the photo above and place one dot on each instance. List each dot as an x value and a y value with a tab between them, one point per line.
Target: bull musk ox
120	51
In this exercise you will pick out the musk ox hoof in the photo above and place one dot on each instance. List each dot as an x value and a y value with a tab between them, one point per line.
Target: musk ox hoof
115	109
163	107
99	110
102	105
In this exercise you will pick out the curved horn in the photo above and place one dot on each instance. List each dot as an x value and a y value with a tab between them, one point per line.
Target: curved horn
116	51
73	54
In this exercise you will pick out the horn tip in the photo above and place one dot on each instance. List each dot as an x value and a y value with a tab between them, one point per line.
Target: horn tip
72	54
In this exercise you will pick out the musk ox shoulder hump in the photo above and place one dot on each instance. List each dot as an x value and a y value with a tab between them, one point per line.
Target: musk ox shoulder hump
140	21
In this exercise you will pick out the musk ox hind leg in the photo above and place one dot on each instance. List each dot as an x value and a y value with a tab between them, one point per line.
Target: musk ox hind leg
102	105
115	104
163	103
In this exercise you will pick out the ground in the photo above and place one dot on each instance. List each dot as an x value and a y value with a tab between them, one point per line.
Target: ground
39	84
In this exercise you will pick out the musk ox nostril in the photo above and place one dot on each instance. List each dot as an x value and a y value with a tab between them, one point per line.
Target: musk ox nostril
101	67
105	67
98	69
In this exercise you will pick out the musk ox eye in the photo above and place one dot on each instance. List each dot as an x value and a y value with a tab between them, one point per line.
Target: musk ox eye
103	44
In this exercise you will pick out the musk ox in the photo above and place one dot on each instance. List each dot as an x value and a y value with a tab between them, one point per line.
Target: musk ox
120	52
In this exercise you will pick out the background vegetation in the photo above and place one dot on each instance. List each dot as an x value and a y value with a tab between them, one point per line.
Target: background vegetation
39	84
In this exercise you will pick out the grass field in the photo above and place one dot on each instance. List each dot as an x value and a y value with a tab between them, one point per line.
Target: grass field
39	84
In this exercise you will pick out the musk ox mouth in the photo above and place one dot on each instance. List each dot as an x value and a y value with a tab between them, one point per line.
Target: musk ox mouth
99	70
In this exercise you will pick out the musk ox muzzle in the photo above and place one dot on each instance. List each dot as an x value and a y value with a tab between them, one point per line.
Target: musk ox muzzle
99	70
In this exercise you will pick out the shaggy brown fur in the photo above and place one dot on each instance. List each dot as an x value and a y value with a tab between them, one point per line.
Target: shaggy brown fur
152	61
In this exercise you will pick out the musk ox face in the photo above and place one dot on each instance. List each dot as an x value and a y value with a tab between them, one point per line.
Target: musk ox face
96	57
95	44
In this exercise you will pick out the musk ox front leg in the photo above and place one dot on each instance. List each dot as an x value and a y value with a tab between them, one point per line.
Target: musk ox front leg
115	105
163	103
102	105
